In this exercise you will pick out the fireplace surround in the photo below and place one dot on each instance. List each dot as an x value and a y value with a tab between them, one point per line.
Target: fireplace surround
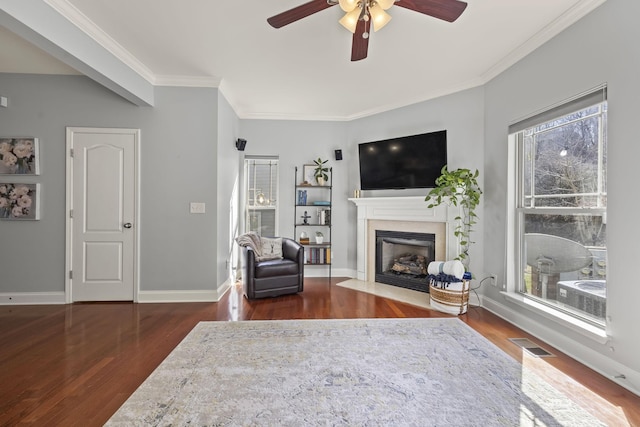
409	214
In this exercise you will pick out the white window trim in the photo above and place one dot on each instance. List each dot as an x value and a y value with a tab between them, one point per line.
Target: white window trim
246	185
584	328
510	292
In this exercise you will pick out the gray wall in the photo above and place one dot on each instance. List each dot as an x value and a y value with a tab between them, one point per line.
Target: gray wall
298	143
178	152
461	114
600	48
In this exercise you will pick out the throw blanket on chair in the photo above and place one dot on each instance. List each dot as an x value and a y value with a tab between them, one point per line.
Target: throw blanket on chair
251	239
256	243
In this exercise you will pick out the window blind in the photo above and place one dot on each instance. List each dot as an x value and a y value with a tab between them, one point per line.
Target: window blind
577	103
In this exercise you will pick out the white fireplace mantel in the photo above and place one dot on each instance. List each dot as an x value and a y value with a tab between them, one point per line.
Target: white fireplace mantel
402	209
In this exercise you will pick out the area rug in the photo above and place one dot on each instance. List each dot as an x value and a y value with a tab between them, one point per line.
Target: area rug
360	372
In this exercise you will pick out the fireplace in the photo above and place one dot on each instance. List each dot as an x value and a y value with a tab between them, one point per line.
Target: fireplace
402	258
408	214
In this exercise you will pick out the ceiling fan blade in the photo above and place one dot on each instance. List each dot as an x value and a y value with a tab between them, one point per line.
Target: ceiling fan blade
448	10
360	45
299	12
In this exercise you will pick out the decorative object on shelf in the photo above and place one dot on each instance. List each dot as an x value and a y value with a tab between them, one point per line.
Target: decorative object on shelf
304	238
305	218
307	175
320	171
319	237
19	201
19	156
302	198
458	187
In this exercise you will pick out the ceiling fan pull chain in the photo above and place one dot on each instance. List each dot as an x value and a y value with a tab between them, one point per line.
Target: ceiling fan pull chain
366	19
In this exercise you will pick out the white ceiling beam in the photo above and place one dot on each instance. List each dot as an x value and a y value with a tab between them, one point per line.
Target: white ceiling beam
44	27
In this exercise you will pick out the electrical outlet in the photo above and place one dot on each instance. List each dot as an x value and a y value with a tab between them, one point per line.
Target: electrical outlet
494	279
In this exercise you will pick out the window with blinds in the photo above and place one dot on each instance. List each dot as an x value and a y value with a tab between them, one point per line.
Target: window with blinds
561	206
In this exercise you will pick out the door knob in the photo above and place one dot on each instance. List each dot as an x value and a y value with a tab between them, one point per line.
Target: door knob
127	225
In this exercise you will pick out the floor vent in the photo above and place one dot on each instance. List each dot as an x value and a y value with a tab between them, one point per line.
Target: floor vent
531	347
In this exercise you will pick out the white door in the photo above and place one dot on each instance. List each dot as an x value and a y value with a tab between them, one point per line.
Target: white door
102	229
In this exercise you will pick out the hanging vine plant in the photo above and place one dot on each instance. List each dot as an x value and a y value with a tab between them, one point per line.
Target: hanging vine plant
458	187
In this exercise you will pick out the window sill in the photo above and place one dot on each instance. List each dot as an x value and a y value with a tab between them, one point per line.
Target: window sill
586	329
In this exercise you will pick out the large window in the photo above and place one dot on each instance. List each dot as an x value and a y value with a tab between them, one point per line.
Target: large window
261	195
561	207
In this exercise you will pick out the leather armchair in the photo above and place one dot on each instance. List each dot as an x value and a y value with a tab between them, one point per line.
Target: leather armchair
271	278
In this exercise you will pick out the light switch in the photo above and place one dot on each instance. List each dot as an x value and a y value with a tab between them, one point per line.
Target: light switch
197	208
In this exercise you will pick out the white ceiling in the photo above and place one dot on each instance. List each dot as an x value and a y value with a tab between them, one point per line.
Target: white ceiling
303	70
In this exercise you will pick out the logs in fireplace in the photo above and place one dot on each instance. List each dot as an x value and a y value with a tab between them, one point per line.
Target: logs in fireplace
411	264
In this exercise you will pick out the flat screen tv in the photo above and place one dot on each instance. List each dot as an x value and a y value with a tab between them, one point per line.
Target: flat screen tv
406	162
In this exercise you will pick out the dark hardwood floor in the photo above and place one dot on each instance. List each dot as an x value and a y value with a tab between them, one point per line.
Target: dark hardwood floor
76	364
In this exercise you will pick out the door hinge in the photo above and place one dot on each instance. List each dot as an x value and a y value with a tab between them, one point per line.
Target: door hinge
71	213
71	152
70	274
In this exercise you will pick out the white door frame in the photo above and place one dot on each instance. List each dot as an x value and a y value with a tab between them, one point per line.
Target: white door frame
69	206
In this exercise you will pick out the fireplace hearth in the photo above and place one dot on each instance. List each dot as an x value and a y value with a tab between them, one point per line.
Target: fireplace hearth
402	258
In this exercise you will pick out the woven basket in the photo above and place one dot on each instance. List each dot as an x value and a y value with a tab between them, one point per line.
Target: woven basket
452	298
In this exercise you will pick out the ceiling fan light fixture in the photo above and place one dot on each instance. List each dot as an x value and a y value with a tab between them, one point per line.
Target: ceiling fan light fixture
350	20
379	17
385	4
348	5
370	12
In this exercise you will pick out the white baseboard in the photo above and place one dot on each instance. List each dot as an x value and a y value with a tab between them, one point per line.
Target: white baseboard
31	298
184	296
557	338
223	288
323	271
43	298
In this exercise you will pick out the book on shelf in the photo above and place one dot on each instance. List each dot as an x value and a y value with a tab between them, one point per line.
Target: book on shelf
325	217
317	256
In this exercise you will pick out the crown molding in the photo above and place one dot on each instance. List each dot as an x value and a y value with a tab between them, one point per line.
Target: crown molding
243	114
86	25
77	18
560	24
187	81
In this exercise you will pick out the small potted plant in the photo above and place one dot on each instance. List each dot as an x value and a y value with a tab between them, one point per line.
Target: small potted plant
320	172
319	237
458	187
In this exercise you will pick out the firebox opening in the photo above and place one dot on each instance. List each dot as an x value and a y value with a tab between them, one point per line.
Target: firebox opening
402	258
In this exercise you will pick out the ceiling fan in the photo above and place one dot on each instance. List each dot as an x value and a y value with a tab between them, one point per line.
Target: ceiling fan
361	14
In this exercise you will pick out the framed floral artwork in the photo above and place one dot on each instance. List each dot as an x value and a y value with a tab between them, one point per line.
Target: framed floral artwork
19	156
19	201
